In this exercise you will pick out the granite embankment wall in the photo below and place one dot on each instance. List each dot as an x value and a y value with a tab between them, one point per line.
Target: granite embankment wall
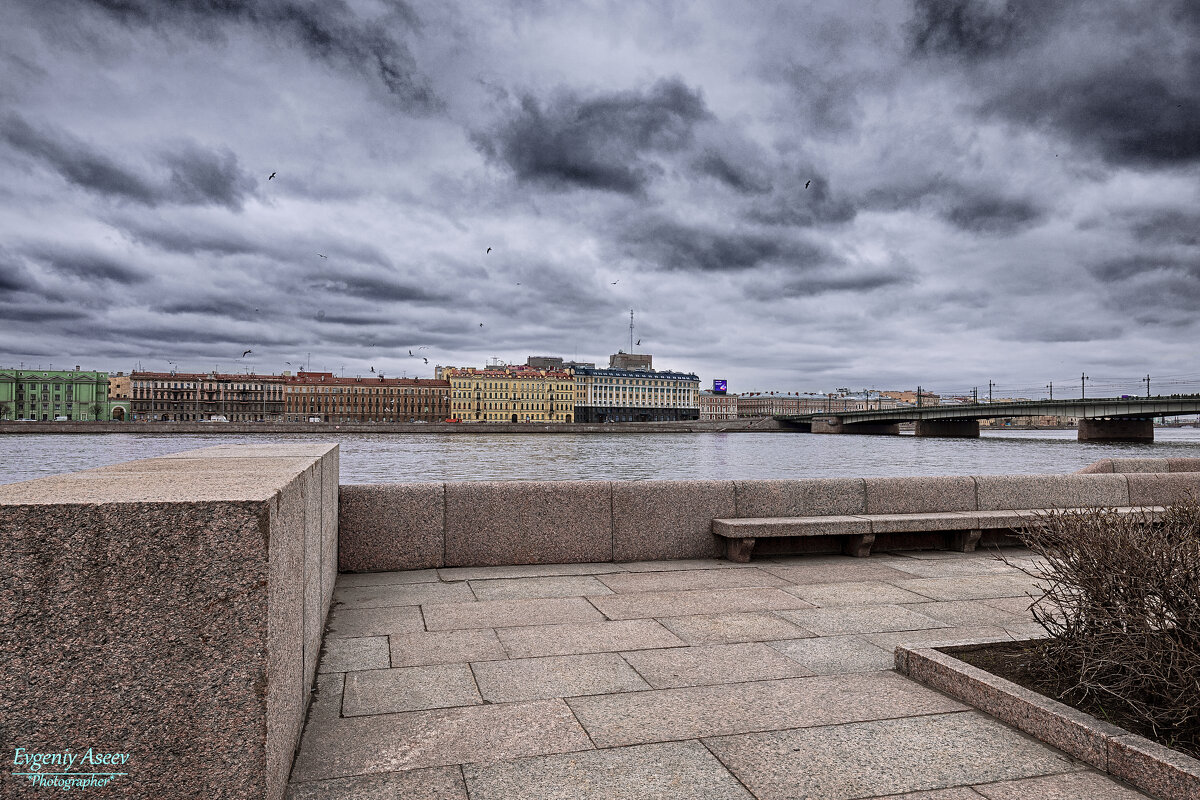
170	609
421	525
330	428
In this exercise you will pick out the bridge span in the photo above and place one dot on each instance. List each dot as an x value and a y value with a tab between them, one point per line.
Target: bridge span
1101	418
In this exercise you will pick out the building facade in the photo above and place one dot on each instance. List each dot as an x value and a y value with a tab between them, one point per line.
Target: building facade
717	406
120	393
180	396
46	395
511	394
325	397
772	404
635	395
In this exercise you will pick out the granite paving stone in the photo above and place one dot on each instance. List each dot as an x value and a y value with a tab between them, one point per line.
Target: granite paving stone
671	604
1068	786
327	696
388	691
397	576
854	593
973	587
442	737
968	613
752	626
681	563
932	638
712	664
834	655
884	757
363	652
345	622
555	676
668	771
953	568
446	647
957	793
859	619
437	783
835	571
527	571
586	637
509	613
1017	606
410	594
672	714
681	580
552	586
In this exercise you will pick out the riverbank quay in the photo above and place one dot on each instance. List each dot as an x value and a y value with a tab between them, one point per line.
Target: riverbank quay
172	610
749	425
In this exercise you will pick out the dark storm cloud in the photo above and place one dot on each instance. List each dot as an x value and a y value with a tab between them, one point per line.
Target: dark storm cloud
736	177
793	203
668	245
376	288
39	313
1172	226
86	266
827	281
1150	288
328	30
192	175
972	28
601	142
992	214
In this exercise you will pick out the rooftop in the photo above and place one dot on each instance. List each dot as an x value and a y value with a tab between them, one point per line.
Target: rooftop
671	679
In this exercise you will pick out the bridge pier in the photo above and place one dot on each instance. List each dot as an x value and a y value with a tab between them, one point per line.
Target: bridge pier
835	425
956	428
1116	430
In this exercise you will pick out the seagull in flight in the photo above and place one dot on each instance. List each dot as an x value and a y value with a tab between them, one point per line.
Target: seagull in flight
639	341
806	183
271	176
481	324
322	255
614	283
489	250
248	352
426	360
372	369
410	355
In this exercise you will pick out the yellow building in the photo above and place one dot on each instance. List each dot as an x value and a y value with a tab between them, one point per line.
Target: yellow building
510	394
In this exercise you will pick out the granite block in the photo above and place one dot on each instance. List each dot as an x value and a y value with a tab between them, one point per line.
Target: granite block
1133	465
327	696
643	605
1079	735
835	655
1104	465
938	637
916	523
1183	465
363	652
442	737
1067	786
1165	773
804	498
553	586
884	757
388	691
446	647
957	793
973	587
754	626
859	619
316	600
919	494
1163	489
385	595
773	527
668	519
390	526
555	676
526	571
833	569
1005	492
509	613
585	637
490	523
353	622
706	665
864	593
436	783
673	714
288	685
330	477
679	580
397	576
669	771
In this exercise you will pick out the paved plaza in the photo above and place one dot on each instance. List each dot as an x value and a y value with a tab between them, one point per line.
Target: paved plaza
672	679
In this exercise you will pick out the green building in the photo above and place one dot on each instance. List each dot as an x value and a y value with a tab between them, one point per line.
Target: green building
47	394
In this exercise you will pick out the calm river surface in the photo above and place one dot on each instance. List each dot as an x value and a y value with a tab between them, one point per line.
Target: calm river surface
386	458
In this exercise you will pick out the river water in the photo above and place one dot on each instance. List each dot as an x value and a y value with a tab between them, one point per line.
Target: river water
387	458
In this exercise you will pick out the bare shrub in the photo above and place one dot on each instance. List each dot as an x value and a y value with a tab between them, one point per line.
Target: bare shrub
1123	612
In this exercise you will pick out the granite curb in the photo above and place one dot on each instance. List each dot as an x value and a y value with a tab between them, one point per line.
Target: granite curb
1151	767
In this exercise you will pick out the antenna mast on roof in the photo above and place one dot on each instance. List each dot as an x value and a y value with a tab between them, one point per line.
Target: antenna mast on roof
631	330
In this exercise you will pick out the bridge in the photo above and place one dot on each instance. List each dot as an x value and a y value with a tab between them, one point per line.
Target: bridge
1100	419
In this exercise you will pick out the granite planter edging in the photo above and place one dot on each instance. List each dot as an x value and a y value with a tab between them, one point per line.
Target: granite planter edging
1147	765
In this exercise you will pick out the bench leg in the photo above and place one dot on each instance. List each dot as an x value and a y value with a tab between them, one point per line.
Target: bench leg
965	541
859	545
739	550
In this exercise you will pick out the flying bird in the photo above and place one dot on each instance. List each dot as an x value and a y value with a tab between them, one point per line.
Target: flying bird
426	360
489	250
372	369
639	341
322	255
806	183
410	355
271	176
248	352
481	324
614	283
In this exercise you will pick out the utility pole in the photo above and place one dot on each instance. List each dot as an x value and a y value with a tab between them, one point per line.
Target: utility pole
1051	387
975	396
918	397
990	385
1146	380
1083	386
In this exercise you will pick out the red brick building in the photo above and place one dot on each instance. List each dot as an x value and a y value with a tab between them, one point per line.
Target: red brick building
373	399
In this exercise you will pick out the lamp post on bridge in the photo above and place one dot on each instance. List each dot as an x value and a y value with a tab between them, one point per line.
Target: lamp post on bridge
990	385
1146	380
1051	388
1083	386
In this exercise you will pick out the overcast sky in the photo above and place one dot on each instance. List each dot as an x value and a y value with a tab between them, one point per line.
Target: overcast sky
799	196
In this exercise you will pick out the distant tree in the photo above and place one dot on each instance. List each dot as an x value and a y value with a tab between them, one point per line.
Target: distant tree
6	408
97	410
